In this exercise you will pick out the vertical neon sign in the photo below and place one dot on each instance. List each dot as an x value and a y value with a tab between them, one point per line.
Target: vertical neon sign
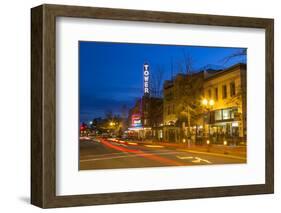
146	78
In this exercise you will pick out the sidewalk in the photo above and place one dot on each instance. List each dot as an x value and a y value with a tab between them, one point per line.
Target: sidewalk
239	151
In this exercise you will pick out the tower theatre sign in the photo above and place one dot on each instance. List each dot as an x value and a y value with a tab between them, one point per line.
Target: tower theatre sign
146	78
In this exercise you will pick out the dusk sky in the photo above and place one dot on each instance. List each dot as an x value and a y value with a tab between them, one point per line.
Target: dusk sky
111	74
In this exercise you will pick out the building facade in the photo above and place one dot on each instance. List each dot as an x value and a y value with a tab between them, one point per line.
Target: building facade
145	119
225	119
208	105
170	131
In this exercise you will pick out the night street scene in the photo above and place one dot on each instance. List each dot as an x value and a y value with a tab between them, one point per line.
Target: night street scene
152	105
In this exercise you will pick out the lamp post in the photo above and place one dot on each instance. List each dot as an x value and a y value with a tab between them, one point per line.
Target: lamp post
208	104
112	127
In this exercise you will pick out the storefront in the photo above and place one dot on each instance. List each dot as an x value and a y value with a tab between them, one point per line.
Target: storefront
171	134
225	125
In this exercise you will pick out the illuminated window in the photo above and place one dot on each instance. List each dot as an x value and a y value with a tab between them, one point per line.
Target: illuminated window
161	134
218	115
234	111
145	121
226	114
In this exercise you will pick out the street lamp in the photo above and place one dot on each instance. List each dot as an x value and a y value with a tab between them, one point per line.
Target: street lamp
208	104
208	145
205	102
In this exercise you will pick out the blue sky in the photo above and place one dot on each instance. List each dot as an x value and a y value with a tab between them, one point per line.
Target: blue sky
110	74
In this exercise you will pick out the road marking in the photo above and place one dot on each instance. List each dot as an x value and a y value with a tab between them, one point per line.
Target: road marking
199	160
184	157
100	155
214	154
105	158
154	146
122	155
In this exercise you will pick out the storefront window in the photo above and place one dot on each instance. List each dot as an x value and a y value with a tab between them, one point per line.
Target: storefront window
234	112
161	134
226	114
218	116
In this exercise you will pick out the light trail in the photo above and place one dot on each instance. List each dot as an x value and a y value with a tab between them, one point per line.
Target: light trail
132	143
140	153
154	146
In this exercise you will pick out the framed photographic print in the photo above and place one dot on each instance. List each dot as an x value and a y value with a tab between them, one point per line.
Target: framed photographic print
137	106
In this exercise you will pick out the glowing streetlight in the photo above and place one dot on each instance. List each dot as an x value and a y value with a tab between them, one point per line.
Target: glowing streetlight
208	104
225	143
205	102
208	142
111	123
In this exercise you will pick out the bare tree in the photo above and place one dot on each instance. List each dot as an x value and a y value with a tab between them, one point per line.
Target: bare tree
188	62
124	116
188	106
239	53
180	66
124	111
156	82
108	114
172	68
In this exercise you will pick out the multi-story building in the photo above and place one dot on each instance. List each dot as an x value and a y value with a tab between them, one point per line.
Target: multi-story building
210	104
225	101
146	117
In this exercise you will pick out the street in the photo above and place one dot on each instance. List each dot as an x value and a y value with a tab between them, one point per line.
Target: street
106	153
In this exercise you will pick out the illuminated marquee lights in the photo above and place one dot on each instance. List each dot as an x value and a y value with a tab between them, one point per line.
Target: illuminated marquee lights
146	78
136	120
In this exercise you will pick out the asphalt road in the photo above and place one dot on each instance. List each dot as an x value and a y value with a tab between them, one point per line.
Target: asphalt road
109	154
